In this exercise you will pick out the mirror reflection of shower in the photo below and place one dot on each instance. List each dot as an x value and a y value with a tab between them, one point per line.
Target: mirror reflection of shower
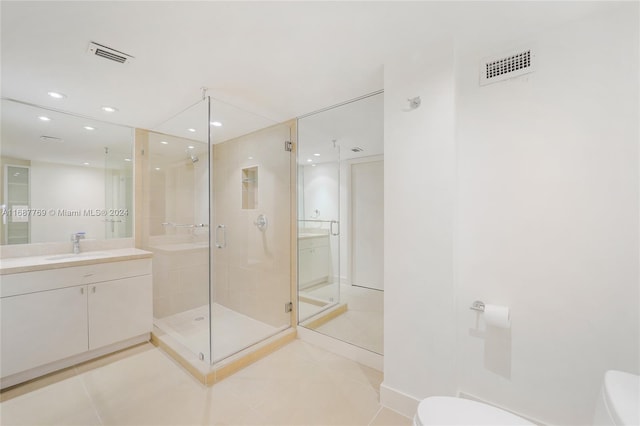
340	222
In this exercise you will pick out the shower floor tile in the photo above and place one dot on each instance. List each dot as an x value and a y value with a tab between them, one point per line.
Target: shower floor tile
231	330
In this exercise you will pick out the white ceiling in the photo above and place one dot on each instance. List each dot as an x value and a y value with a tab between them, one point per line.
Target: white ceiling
277	60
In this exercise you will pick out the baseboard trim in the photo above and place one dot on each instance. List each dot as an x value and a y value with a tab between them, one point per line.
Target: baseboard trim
398	401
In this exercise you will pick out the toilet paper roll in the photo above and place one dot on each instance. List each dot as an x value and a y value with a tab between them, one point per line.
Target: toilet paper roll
497	316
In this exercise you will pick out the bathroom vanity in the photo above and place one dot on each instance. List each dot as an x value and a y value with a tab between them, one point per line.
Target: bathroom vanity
59	310
313	258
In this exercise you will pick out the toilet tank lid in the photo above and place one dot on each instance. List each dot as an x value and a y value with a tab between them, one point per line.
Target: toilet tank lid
445	410
622	391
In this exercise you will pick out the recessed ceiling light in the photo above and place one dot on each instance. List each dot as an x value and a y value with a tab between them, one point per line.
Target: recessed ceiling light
191	130
191	147
309	160
109	109
57	95
157	168
316	155
216	123
249	158
127	159
85	163
313	165
164	142
44	118
89	128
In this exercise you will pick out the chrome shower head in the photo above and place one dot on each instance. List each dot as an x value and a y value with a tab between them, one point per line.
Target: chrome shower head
192	155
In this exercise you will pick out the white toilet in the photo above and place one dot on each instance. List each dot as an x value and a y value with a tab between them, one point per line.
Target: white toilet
447	410
617	405
619	400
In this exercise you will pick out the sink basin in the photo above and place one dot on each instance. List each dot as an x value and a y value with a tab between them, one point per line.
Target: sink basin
71	256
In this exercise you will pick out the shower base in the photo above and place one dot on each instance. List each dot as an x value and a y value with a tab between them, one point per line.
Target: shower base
231	331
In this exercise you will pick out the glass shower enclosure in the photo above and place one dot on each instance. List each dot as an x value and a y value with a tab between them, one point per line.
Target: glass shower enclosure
217	203
341	221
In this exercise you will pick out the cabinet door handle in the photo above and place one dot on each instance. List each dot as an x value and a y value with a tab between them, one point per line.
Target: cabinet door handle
93	289
81	290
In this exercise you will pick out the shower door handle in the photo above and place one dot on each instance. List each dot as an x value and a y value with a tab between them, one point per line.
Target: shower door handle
224	236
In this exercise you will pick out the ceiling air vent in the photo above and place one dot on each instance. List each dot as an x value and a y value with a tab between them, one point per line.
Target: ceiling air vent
109	53
357	149
502	68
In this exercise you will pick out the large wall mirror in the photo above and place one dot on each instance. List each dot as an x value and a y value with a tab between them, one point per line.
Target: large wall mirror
340	222
63	174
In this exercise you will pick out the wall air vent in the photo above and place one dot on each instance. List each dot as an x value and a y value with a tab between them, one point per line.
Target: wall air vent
504	67
109	53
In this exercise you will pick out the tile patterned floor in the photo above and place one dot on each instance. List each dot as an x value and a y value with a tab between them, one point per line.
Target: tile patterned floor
299	384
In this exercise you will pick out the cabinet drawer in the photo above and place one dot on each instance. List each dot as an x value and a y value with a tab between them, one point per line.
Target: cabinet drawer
321	241
31	282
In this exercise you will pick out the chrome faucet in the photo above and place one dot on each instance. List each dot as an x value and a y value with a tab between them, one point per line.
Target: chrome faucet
75	239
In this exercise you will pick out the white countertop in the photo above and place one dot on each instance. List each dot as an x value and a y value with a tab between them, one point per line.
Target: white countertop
15	265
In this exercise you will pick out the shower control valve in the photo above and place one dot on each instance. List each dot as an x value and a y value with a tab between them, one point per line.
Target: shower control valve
261	222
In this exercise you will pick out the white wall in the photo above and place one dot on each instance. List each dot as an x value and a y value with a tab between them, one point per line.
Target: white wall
56	186
419	326
547	219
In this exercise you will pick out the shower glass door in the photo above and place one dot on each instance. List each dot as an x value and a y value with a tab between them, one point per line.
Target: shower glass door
251	229
175	227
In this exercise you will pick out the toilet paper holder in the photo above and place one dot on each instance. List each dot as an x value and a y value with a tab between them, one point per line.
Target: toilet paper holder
477	306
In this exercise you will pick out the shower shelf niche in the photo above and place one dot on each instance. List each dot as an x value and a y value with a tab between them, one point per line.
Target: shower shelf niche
250	188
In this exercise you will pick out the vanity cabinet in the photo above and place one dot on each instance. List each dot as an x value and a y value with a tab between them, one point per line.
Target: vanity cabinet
313	259
48	316
43	327
119	309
